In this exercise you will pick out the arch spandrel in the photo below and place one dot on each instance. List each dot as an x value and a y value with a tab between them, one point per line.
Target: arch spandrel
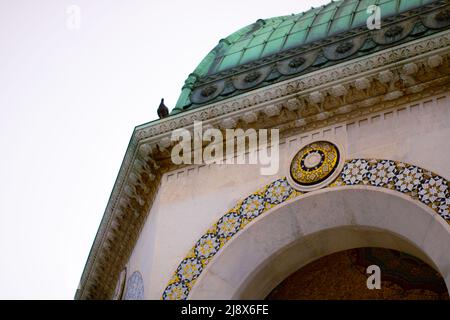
424	193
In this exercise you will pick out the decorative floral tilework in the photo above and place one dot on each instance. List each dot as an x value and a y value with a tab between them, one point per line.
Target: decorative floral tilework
433	190
355	172
252	207
382	173
176	291
278	192
207	246
444	207
416	182
229	225
135	287
408	178
189	269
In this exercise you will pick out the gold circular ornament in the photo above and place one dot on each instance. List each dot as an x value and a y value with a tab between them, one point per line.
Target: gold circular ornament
314	164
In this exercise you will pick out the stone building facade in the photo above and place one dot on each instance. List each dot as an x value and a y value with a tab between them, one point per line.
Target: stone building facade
364	121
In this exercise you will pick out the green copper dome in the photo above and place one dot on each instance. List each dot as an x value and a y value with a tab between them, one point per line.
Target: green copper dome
265	38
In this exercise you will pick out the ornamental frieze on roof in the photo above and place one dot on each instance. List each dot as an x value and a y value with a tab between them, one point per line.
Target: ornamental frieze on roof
323	36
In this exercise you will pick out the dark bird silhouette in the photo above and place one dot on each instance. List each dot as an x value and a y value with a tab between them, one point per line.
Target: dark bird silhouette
163	111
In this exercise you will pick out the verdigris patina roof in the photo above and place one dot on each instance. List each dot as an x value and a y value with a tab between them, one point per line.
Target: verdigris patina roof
280	48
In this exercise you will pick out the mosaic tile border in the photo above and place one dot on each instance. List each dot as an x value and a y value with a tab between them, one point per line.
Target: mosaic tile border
420	184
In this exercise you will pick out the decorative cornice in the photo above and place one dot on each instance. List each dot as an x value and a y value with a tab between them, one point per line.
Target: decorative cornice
358	70
339	93
360	41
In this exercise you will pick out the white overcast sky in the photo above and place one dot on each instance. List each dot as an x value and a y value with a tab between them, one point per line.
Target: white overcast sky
69	100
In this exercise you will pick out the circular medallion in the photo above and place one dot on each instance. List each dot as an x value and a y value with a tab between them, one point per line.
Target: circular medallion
314	165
